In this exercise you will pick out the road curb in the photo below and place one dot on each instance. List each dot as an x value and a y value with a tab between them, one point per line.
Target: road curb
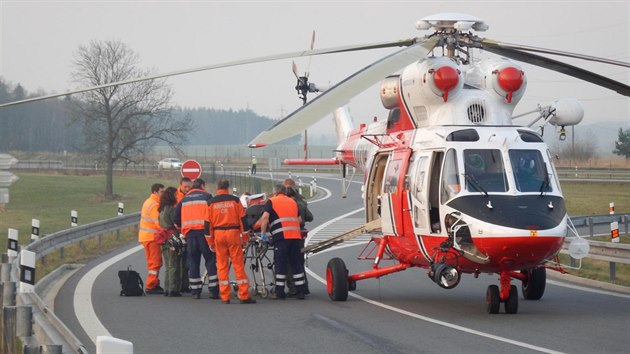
602	285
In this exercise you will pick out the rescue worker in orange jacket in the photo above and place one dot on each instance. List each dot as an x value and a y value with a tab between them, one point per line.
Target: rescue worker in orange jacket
281	218
185	184
190	215
225	229
149	224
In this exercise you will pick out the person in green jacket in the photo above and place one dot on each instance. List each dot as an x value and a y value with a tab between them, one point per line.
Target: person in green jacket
171	254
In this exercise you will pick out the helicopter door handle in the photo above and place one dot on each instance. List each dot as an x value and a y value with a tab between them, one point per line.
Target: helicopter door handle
407	209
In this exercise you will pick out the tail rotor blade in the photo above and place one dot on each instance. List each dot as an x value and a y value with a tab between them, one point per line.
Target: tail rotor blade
295	70
308	66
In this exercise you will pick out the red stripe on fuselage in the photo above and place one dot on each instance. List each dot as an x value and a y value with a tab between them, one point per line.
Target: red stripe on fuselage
506	252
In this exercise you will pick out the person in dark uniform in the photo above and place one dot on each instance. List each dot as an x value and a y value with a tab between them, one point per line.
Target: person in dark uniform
280	226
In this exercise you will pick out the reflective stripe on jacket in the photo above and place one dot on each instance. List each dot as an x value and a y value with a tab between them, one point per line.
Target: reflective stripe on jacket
193	210
149	219
287	223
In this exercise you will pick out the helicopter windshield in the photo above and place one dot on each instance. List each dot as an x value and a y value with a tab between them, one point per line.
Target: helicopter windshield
530	171
484	171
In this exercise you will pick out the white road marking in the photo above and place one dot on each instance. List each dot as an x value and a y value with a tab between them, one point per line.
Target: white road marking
415	315
83	308
590	290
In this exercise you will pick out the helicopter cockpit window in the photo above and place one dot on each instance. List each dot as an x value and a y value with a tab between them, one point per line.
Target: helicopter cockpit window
484	171
530	171
450	177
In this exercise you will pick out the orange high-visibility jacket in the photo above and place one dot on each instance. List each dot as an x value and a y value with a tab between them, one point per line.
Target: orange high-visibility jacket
193	210
283	218
149	219
179	195
225	212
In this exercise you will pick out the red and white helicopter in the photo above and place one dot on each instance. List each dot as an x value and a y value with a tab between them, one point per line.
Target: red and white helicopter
451	184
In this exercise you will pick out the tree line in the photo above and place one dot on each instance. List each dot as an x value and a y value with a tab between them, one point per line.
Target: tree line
48	126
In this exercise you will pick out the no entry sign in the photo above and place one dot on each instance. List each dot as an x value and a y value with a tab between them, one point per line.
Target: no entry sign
191	169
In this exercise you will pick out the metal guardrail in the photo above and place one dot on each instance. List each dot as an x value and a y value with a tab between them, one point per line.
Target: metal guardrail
48	327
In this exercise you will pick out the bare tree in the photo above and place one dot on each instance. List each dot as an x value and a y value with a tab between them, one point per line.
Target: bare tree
122	122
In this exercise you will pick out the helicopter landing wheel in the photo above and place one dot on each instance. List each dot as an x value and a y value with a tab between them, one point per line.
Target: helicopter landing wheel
534	287
337	280
493	299
511	304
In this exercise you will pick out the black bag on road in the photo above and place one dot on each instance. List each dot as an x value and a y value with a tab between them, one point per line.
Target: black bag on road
131	283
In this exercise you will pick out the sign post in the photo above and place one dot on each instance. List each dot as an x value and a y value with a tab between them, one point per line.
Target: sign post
34	229
191	169
6	178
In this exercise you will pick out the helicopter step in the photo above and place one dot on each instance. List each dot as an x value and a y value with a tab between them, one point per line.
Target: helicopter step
373	227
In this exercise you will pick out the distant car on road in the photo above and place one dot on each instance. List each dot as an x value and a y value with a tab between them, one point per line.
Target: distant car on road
169	164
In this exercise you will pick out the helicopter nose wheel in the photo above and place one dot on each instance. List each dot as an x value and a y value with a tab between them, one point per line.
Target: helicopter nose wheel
493	297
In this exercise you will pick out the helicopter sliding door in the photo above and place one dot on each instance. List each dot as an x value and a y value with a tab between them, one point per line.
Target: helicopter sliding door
418	173
394	200
374	187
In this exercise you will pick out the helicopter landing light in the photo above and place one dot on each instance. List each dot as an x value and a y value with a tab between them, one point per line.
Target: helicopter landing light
550	206
489	205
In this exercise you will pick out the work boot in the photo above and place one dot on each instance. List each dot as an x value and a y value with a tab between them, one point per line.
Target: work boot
275	296
248	301
226	301
196	295
175	294
213	296
155	291
300	296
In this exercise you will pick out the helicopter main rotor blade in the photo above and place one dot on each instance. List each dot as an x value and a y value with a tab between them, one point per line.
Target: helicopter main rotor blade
341	93
555	52
551	64
342	49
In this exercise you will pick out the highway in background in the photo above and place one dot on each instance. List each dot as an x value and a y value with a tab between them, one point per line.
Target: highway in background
401	313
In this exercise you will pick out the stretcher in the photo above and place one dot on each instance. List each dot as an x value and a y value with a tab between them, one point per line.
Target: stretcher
258	256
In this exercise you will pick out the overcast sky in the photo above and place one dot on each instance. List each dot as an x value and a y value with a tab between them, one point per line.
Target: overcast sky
38	39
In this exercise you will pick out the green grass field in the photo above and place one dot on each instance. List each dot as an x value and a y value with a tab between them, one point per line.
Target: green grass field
51	197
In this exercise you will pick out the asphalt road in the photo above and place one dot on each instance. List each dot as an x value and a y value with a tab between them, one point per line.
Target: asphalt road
400	313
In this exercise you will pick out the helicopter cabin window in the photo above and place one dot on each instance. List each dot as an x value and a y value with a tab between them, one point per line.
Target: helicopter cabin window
391	176
484	171
529	137
418	181
450	177
463	135
393	118
530	171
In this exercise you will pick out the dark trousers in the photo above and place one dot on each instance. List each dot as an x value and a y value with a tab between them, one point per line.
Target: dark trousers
254	169
288	252
196	246
290	282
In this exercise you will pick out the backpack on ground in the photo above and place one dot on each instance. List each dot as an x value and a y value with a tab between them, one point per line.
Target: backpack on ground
131	283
